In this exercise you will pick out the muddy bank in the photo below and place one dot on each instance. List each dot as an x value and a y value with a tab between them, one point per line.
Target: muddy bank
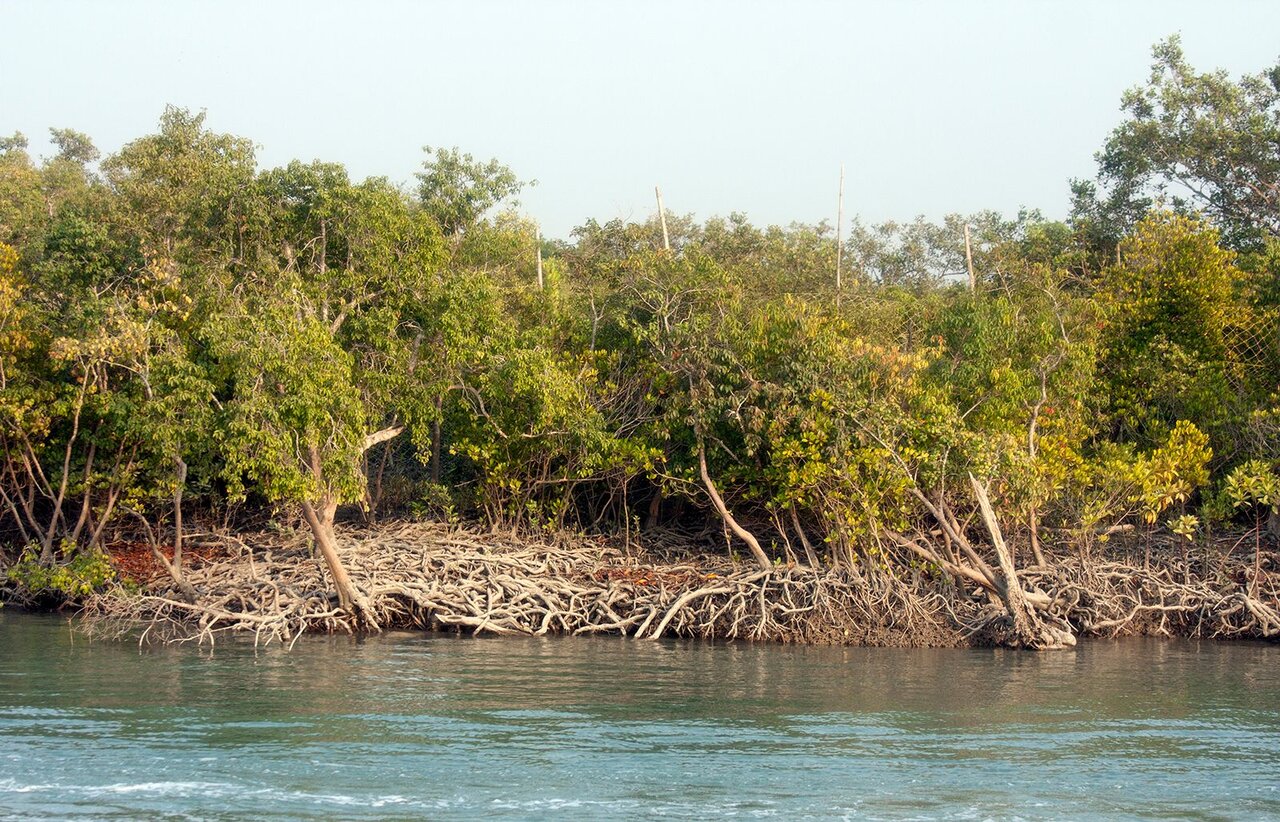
429	576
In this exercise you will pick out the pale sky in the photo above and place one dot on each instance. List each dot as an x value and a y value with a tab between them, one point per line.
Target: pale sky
730	106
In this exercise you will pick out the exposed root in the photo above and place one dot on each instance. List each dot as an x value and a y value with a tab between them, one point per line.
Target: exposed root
429	576
1113	598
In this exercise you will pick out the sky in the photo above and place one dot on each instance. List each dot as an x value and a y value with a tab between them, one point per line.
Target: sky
932	107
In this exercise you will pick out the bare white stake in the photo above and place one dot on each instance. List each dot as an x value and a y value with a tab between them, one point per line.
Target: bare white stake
537	235
662	215
840	227
968	257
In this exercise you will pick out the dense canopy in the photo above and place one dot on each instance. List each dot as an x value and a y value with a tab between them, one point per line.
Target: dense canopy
183	331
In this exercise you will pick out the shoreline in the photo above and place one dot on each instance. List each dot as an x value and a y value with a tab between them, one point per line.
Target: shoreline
428	576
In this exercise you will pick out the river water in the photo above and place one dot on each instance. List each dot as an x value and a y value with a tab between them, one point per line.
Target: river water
443	727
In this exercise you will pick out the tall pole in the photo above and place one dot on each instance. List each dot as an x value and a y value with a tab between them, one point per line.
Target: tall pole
662	215
537	235
839	227
968	258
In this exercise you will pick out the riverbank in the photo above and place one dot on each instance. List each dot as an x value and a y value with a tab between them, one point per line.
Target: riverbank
426	576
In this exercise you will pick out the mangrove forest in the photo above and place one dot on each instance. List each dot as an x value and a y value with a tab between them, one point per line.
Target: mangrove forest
284	400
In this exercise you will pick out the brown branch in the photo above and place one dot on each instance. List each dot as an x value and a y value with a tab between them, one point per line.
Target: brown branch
762	559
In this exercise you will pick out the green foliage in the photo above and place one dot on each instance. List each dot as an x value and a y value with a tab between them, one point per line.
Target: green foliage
74	146
293	424
456	189
1185	526
81	572
1120	483
183	323
1194	142
185	190
1254	484
1170	474
1169	304
23	215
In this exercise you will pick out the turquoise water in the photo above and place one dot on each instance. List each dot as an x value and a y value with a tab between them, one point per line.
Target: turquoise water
442	727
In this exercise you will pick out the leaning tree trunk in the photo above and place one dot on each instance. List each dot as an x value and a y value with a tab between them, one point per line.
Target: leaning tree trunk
186	591
1030	625
762	559
320	516
350	599
1026	628
809	553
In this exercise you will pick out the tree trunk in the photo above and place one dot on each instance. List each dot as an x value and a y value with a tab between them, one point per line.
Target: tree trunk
1257	558
46	549
762	559
1033	525
180	469
1027	628
350	599
373	497
435	442
185	590
175	568
655	510
86	506
809	553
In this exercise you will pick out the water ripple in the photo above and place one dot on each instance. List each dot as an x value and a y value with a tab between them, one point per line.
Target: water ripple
412	726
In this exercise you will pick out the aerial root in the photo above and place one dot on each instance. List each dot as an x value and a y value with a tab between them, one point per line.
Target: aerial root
1114	598
428	576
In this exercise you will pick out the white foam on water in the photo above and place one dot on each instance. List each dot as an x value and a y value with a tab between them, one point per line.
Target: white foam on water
12	786
165	788
210	790
394	799
156	788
